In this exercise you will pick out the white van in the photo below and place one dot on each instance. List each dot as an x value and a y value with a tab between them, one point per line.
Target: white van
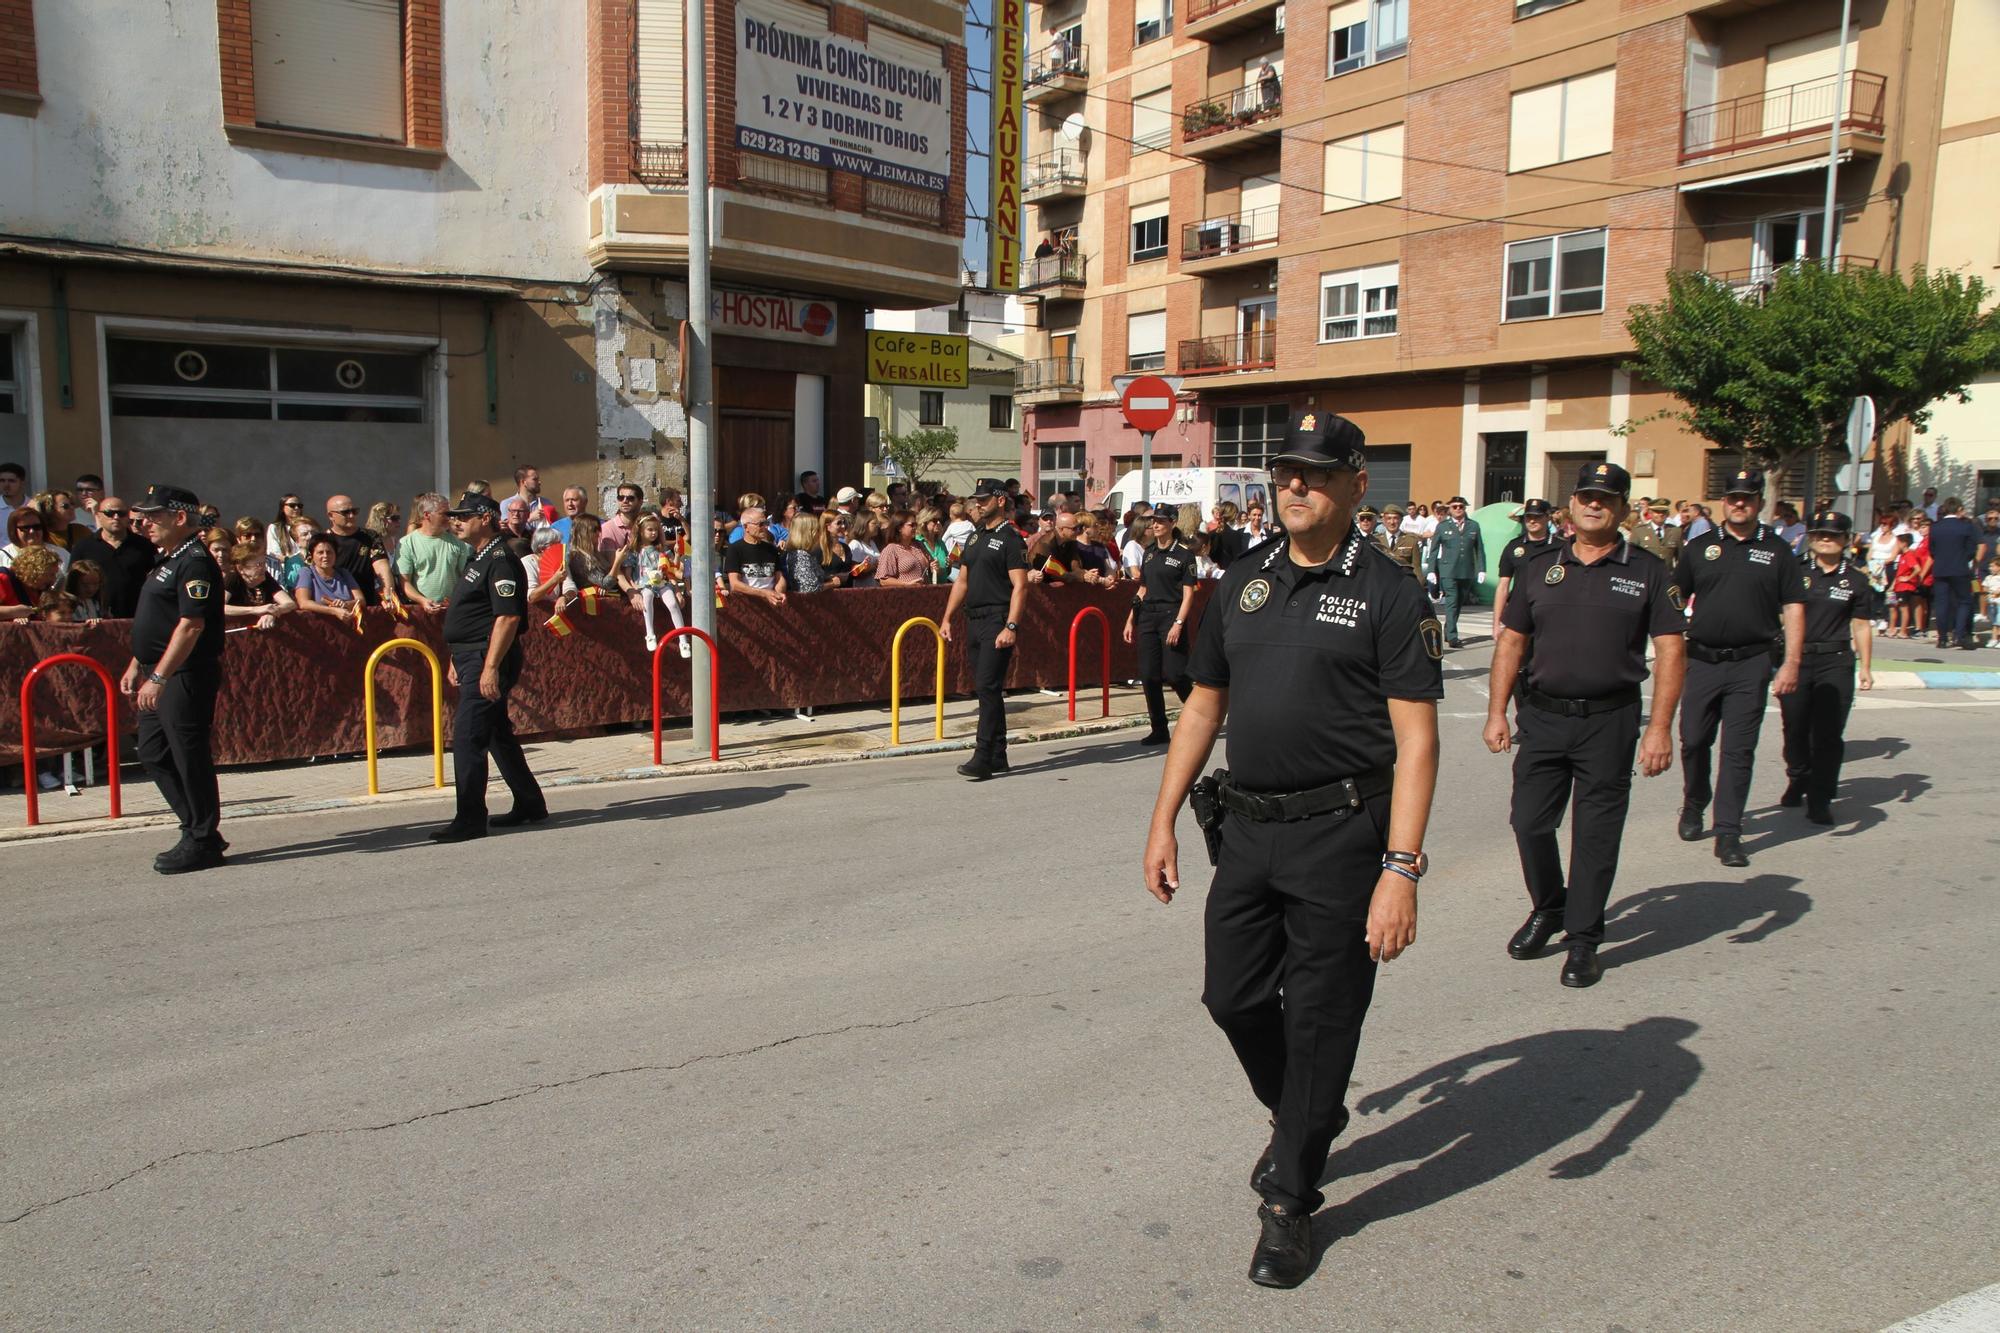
1204	486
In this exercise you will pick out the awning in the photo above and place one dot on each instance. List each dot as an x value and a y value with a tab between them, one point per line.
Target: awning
1789	169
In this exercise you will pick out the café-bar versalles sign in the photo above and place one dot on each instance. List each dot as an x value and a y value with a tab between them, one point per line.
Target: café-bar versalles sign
811	97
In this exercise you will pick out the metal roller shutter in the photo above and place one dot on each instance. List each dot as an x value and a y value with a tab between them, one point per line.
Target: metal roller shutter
334	66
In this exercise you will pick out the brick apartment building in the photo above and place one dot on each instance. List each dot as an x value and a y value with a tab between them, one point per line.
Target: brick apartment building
1432	215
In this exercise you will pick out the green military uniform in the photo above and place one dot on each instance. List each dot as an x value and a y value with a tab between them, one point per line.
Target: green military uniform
1456	561
1405	548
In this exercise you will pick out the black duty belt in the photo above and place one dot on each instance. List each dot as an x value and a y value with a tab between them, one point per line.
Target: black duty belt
1701	652
1550	703
1269	807
1829	647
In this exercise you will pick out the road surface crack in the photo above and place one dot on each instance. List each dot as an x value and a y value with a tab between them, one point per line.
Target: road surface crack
517	1095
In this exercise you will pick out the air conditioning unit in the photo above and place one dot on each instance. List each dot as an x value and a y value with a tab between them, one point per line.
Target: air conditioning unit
1278	20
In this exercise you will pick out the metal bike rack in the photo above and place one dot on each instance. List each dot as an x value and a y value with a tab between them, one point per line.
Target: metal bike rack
1104	658
714	692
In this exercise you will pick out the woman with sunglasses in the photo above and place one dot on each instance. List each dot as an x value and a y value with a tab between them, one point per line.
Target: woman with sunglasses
385	520
27	527
59	513
278	537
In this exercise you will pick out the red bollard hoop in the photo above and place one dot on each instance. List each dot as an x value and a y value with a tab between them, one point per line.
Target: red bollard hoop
714	693
28	731
1104	659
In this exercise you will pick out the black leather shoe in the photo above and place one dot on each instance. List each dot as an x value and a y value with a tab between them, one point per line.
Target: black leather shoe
976	769
1284	1252
517	816
1534	934
189	857
1582	969
1690	824
1795	794
1154	738
175	854
1819	812
1729	850
1454	643
1000	765
457	832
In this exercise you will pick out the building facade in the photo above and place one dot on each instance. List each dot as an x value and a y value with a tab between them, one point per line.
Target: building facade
1432	215
982	414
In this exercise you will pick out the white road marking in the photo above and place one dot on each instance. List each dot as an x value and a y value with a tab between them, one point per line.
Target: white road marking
1974	1312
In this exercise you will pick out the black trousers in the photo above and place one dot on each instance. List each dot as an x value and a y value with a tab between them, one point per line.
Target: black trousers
1161	663
482	727
1587	760
173	747
1728	696
1288	978
989	682
1815	718
1951	606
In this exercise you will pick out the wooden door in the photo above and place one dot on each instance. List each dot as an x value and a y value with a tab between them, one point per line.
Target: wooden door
754	453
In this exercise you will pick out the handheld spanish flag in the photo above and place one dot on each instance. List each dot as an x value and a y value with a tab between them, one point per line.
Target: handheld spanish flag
1054	569
359	607
589	597
558	625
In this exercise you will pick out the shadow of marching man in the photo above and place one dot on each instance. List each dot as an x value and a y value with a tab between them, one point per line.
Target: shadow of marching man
1544	1091
1662	920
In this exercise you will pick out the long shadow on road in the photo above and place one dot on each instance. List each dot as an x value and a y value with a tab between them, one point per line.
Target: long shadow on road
1659	921
1540	1093
1859	806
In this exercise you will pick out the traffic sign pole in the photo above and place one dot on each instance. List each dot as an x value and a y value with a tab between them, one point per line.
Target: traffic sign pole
1145	467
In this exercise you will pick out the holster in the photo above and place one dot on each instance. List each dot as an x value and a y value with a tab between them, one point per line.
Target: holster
1204	800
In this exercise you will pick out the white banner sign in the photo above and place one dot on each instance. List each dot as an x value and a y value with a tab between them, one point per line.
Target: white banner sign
804	94
785	318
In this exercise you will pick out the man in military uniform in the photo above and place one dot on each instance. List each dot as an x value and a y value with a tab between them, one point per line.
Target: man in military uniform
1324	658
482	632
991	589
1365	519
1157	623
1651	533
1745	586
1455	565
1535	538
1405	548
1840	630
175	674
1595	600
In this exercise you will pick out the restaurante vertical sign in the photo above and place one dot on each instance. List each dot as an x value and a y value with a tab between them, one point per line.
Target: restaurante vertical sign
1003	230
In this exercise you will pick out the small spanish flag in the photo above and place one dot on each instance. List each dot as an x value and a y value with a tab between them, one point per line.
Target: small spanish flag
589	597
359	607
1054	568
558	624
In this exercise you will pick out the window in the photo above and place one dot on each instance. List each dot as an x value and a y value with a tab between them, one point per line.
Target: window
1358	303
1152	120
1561	275
1146	341
1152	20
1059	458
1363	32
1364	169
10	390
1246	436
930	407
1149	231
329	66
152	378
1000	411
1526	8
1562	121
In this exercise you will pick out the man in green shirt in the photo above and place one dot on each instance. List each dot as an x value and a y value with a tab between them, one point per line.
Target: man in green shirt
429	559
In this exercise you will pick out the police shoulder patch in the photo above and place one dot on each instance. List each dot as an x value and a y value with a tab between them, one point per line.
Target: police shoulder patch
1432	633
1555	574
505	587
1520	551
198	589
1674	596
1255	593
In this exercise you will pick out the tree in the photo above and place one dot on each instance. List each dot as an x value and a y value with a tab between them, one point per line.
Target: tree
920	450
1772	373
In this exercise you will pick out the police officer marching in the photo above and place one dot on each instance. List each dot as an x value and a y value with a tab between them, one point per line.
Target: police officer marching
1325	659
175	675
1745	587
995	561
1840	631
1592	602
482	633
1405	548
1157	622
1535	538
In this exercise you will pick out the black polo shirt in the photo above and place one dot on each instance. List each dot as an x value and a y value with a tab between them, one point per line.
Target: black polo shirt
187	585
125	566
1739	588
1522	549
357	553
1163	573
988	556
1226	546
1311	658
1834	599
1591	620
494	584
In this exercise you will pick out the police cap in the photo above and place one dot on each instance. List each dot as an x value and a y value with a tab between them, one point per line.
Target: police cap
1607	478
1830	521
1745	482
987	487
1321	439
1536	509
472	504
167	497
1367	511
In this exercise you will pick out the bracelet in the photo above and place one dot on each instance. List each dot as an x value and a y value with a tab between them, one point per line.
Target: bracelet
1406	873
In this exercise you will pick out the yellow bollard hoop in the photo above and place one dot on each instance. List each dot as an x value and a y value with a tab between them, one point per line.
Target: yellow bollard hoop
896	677
437	708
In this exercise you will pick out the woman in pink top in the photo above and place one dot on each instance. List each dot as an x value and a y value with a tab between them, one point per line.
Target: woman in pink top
902	561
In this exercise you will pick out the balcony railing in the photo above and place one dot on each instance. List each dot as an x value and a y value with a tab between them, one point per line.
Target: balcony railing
1053	170
783	178
1232	111
1058	60
660	163
1049	375
1198	10
900	202
1795	111
1257	350
1754	283
1229	235
1057	270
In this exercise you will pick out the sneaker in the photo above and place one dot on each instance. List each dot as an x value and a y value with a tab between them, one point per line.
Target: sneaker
652	642
686	645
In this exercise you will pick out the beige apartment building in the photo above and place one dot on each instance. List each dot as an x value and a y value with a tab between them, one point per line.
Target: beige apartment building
1432	215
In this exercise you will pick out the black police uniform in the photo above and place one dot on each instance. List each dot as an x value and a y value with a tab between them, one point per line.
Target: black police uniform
1578	716
1310	657
173	741
987	557
494	584
1522	550
1815	714
1165	571
1739	590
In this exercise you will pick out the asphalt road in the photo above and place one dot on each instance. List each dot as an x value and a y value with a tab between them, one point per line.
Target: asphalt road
866	1047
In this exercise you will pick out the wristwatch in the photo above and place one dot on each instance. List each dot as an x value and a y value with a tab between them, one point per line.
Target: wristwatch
1420	862
1012	625
156	678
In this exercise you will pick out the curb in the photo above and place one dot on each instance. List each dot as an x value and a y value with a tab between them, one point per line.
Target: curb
766	764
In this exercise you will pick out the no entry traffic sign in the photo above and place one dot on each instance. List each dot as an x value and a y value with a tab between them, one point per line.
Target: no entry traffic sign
1148	403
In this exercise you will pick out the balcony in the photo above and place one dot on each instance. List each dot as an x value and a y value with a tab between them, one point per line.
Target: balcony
1056	379
1230	352
900	203
660	164
1754	283
1053	175
1206	20
1056	277
1244	118
1225	242
1781	115
1060	69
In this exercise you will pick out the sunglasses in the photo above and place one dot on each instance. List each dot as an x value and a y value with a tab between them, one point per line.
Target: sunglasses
26	528
633	498
343	512
295	504
111	513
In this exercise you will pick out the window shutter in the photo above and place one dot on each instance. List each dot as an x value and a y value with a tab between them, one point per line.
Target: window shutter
335	66
1147	212
662	70
1146	335
1151	117
1534	136
1588	106
1385	163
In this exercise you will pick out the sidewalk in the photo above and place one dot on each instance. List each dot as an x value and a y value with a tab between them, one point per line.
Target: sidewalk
749	745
